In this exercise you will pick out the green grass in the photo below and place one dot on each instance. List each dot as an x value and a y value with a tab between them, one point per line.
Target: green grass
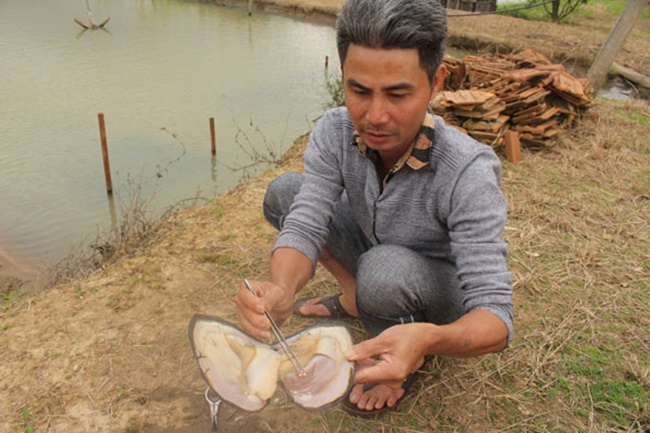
9	299
534	14
640	118
616	7
28	421
538	13
594	374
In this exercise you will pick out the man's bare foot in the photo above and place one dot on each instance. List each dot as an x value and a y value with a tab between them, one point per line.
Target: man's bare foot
326	306
376	397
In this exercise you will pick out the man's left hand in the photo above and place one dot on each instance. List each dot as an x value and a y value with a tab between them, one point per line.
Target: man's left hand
399	351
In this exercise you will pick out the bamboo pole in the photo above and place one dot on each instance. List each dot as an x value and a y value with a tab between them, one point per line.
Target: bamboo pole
107	165
213	137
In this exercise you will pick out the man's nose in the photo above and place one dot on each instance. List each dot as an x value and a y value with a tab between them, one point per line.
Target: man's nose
377	112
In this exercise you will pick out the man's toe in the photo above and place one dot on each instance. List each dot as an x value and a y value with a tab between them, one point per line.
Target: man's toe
355	394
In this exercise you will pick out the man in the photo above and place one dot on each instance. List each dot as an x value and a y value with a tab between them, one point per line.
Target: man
406	212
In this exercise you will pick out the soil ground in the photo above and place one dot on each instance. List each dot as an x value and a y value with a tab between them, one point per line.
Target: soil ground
110	353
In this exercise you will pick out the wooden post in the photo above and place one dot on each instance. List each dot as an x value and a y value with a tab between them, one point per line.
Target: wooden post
113	214
513	146
614	42
107	165
213	137
250	7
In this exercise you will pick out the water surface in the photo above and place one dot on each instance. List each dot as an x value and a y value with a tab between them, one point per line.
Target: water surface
161	69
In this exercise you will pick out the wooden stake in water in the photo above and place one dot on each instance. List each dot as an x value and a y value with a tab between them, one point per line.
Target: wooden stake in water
213	136
107	164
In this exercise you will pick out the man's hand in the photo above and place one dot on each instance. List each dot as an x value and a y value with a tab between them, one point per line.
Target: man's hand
400	350
250	308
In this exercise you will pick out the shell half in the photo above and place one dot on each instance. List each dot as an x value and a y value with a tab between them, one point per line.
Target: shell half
245	371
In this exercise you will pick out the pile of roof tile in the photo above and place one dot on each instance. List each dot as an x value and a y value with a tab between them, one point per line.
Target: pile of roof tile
524	92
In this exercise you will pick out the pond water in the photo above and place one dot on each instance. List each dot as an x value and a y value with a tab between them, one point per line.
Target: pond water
159	72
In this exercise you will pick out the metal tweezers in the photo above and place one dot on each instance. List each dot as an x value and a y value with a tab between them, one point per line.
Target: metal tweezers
283	342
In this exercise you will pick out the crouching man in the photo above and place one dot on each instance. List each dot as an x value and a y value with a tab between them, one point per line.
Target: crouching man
406	212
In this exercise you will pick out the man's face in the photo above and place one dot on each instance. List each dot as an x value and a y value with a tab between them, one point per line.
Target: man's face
387	94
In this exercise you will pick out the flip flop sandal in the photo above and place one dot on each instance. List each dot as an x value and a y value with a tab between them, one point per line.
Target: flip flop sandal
331	303
410	380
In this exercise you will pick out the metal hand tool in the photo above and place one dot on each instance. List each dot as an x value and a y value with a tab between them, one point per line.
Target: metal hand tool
214	408
283	342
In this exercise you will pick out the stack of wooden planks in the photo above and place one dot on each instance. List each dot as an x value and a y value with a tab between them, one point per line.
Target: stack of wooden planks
486	96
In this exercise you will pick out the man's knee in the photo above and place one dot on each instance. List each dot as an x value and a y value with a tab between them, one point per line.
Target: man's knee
396	284
382	274
279	197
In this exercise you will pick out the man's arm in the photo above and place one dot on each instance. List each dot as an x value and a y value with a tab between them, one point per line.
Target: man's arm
476	333
290	269
401	348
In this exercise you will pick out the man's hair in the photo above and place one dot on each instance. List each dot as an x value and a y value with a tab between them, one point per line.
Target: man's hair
384	24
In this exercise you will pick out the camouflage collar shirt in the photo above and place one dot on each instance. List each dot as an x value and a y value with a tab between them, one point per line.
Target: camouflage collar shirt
417	157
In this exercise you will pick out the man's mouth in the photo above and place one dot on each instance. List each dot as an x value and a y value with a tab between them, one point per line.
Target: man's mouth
371	130
376	136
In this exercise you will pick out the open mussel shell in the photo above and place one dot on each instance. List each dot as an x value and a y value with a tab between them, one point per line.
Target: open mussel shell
245	371
320	349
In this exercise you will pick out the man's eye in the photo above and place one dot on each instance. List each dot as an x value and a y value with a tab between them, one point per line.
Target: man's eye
397	95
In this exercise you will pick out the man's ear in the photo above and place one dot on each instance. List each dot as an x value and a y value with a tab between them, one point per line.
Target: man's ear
439	79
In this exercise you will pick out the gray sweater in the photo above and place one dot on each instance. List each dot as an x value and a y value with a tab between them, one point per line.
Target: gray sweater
453	210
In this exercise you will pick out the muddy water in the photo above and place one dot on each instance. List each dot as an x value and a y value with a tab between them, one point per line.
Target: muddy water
158	72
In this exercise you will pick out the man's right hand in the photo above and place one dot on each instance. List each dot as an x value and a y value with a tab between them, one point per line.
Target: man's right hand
250	308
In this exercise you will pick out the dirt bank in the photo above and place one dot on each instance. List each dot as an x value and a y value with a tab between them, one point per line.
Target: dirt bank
110	353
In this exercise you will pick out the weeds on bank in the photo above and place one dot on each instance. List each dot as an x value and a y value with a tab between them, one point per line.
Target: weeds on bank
8	299
334	87
269	155
127	234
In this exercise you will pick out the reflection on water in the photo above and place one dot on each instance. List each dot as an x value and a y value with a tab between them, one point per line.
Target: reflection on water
158	73
619	90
